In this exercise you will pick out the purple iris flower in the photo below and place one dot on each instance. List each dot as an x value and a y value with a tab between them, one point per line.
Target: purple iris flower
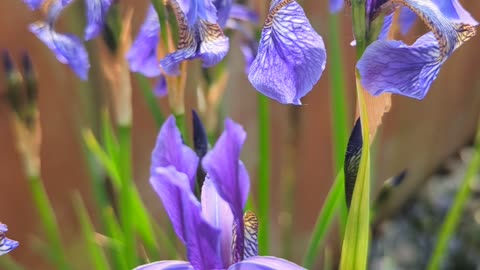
200	35
96	13
6	245
34	4
142	56
291	55
216	232
451	9
409	70
67	48
335	5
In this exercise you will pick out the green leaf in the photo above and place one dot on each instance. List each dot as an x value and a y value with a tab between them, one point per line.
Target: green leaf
357	233
95	251
150	99
325	218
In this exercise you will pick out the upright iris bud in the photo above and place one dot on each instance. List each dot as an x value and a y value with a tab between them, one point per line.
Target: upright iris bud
200	145
22	96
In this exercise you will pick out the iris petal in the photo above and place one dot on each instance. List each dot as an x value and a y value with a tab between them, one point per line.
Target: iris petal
335	5
160	89
214	44
291	55
170	151
166	265
96	15
34	4
265	263
185	213
243	13
6	244
222	164
67	48
394	67
223	10
218	214
142	57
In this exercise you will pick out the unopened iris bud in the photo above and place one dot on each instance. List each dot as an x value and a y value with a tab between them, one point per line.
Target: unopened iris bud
14	81
30	79
352	160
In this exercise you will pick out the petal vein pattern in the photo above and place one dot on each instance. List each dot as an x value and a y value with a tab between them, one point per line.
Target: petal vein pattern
291	55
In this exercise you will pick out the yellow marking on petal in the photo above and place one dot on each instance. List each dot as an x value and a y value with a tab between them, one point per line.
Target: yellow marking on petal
250	222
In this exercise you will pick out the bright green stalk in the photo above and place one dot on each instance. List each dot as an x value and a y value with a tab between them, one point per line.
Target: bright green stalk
324	220
49	221
263	173
455	213
162	18
339	107
180	119
150	99
127	213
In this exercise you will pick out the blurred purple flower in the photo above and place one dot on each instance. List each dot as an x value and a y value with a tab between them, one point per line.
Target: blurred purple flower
6	245
200	35
409	70
142	56
291	55
34	4
96	14
206	227
335	5
67	48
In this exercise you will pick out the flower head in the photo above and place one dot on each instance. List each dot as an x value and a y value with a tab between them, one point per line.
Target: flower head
96	12
216	231
291	55
200	35
67	48
409	70
6	245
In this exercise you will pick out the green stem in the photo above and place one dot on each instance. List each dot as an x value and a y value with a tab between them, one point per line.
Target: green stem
180	119
339	107
456	210
324	220
49	221
127	215
151	100
263	173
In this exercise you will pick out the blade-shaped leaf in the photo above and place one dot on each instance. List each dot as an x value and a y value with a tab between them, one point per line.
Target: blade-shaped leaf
357	233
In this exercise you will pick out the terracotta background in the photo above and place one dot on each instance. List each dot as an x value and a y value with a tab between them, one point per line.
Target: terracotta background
415	135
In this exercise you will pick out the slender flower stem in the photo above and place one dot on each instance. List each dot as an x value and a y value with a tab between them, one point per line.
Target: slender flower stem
339	106
150	99
456	210
263	173
180	119
334	198
49	221
126	211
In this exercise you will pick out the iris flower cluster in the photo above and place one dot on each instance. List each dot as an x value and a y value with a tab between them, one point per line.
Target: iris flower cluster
216	232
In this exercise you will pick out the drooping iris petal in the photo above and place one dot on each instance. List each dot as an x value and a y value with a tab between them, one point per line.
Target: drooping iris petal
250	223
218	213
170	151
204	39
34	4
335	5
387	24
265	263
213	43
291	55
166	265
142	57
223	10
6	244
67	48
96	15
185	213
160	89
394	67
